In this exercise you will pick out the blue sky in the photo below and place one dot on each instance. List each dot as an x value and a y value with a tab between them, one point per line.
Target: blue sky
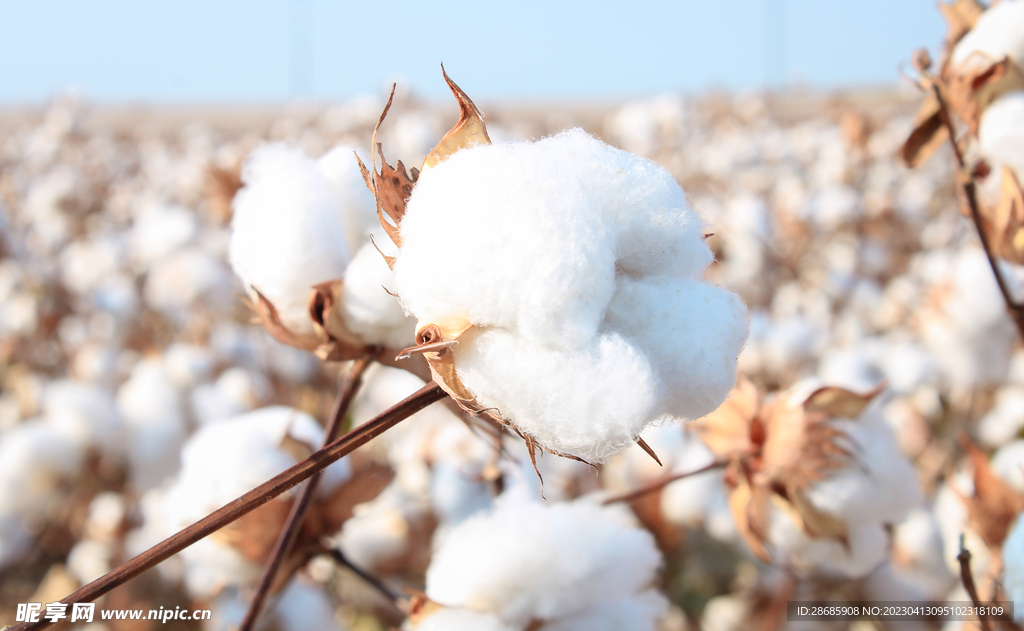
274	50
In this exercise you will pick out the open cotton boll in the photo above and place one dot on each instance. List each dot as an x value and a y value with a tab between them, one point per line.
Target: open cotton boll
151	408
998	32
1001	132
83	412
34	457
1006	418
579	266
1013	568
866	548
288	231
525	561
882	487
159	230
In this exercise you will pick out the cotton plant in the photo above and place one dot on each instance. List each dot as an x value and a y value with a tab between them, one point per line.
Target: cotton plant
526	564
814	475
557	286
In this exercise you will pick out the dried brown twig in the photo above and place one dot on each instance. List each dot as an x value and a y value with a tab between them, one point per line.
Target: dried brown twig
968	580
286	538
252	500
658	483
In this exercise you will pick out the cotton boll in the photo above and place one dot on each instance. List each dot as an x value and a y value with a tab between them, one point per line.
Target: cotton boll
1013	568
1006	418
106	516
187	365
184	278
159	230
379	530
725	613
542	258
288	231
369	310
85	264
1001	132
84	413
302	606
151	408
588	404
917	554
526	560
998	32
89	560
34	457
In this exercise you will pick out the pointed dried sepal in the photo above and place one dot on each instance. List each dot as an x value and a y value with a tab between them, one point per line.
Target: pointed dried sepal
960	17
469	131
419	607
839	402
267	316
335	341
647	449
995	504
392	186
727	430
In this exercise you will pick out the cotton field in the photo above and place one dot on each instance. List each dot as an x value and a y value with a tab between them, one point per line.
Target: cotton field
694	357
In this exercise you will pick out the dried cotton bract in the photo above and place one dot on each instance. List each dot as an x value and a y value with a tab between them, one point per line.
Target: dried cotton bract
559	286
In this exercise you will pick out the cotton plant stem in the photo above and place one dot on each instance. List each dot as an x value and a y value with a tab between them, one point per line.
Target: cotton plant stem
659	483
339	557
968	580
347	390
969	190
252	500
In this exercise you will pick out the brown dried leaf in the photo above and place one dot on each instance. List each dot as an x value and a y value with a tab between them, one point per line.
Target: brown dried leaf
960	16
469	131
1008	224
839	402
267	315
741	504
220	188
973	85
335	341
928	135
727	430
995	504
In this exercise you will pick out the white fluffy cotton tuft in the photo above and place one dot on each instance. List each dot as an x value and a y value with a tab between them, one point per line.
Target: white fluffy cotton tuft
562	564
998	32
580	266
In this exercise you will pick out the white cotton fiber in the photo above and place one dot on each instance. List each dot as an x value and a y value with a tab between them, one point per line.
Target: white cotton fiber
151	408
998	32
1001	132
288	231
1013	568
369	310
527	560
341	169
463	620
580	266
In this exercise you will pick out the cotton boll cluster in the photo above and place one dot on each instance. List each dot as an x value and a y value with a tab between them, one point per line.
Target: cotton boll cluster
513	567
554	273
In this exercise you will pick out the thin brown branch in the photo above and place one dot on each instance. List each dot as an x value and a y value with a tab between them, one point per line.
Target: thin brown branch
339	557
659	483
969	190
252	500
286	538
968	580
